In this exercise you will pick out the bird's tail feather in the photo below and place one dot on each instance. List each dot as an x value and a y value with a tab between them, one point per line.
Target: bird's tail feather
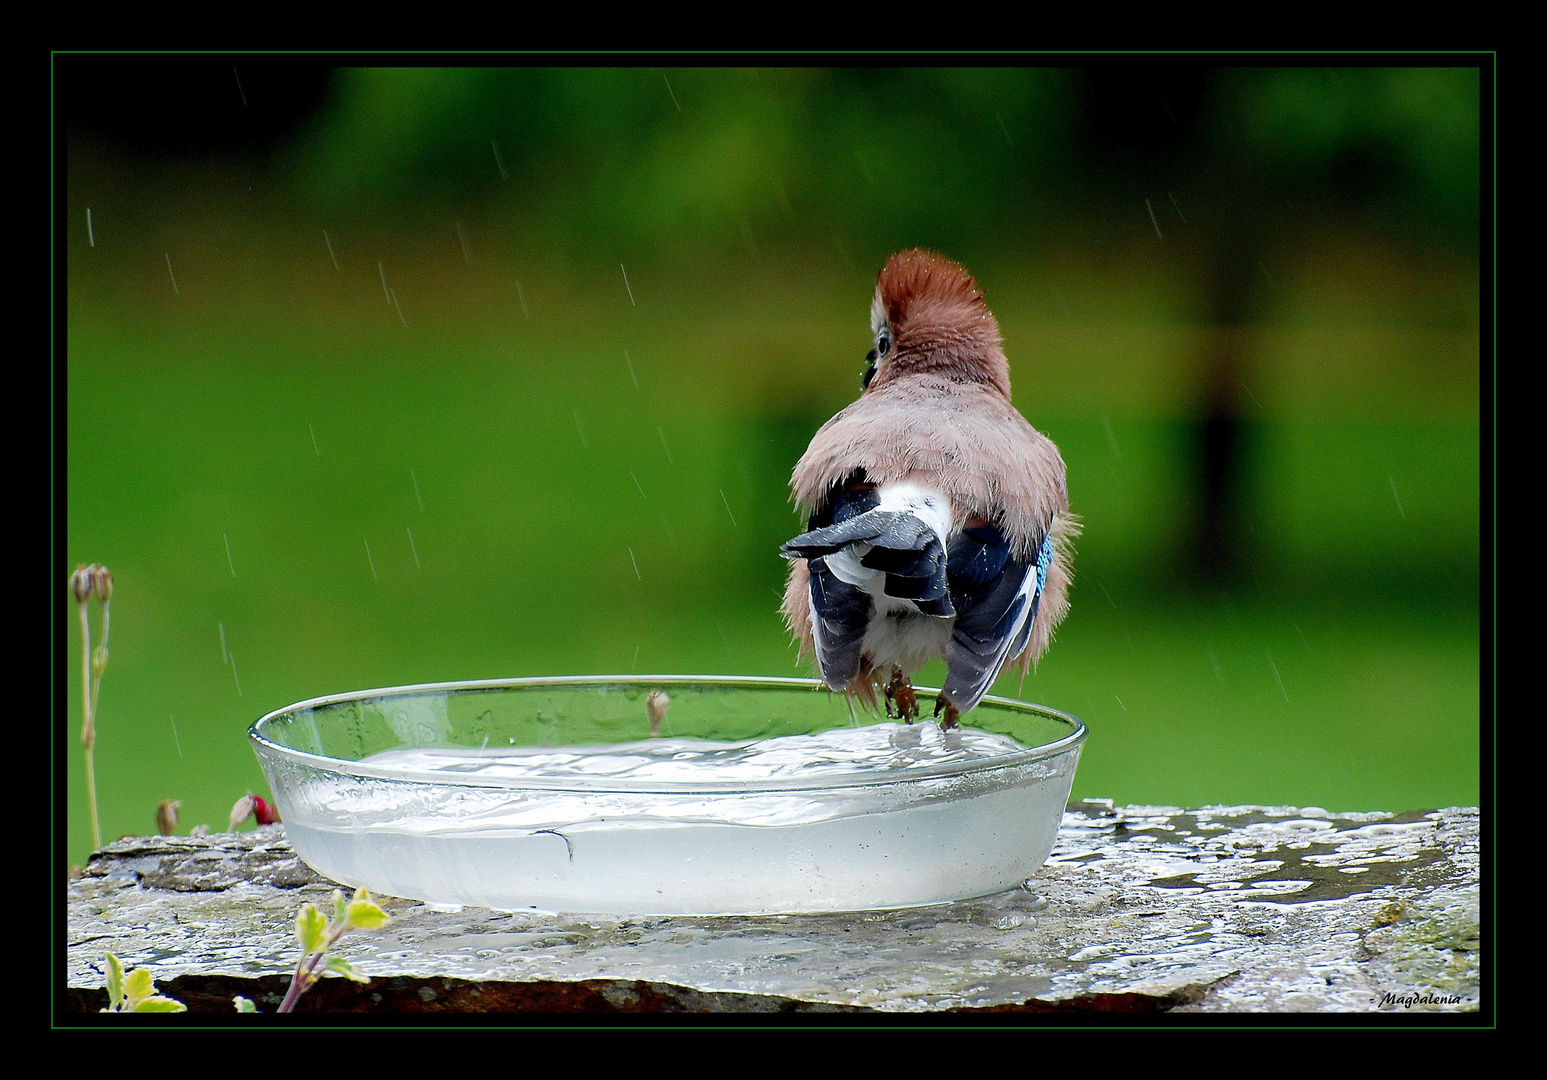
894	530
897	543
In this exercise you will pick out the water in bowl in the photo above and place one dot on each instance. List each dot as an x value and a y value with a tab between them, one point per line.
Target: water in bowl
851	818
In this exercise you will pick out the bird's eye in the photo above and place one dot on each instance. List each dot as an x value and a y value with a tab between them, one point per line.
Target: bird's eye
883	343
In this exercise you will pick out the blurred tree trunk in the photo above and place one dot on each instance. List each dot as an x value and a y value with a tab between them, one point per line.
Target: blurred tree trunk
1147	134
1218	535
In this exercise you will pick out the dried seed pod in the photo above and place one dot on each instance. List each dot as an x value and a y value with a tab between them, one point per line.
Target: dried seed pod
656	705
82	583
241	810
166	817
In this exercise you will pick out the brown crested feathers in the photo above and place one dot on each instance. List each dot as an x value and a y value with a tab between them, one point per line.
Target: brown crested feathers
939	322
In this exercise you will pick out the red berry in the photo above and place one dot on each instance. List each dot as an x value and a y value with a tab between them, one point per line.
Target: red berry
264	811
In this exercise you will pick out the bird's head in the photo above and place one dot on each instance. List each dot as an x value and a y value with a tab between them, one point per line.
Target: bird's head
928	316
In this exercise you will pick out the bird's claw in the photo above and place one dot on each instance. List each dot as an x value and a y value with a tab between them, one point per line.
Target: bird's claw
899	692
951	714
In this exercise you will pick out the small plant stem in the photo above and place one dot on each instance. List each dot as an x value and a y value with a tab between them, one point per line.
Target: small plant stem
88	731
303	978
295	989
91	798
96	674
298	982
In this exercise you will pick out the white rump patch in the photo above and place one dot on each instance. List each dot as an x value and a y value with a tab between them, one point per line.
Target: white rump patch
930	507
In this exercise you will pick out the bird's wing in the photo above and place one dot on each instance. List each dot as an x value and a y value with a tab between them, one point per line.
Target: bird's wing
889	537
840	613
840	610
995	595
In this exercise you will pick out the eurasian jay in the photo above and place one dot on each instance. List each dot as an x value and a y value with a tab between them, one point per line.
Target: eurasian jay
938	518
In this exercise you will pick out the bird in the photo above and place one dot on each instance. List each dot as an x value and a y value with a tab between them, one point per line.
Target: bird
937	518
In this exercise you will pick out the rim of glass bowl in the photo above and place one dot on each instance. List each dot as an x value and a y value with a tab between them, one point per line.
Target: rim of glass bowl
831	780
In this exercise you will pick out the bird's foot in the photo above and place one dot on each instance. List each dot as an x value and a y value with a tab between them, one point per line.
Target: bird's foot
899	692
951	714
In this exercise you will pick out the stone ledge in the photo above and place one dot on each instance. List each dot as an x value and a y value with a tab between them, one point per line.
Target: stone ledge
1138	910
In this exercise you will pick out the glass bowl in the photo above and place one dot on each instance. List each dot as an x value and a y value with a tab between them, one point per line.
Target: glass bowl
756	795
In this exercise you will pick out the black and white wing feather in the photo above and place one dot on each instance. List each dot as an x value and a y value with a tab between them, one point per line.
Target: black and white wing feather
995	596
840	611
893	552
871	548
879	553
840	614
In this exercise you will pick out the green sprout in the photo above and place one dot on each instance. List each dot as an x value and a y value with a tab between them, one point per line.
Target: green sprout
86	582
317	935
136	993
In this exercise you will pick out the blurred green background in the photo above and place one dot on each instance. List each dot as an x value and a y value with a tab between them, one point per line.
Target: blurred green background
358	394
